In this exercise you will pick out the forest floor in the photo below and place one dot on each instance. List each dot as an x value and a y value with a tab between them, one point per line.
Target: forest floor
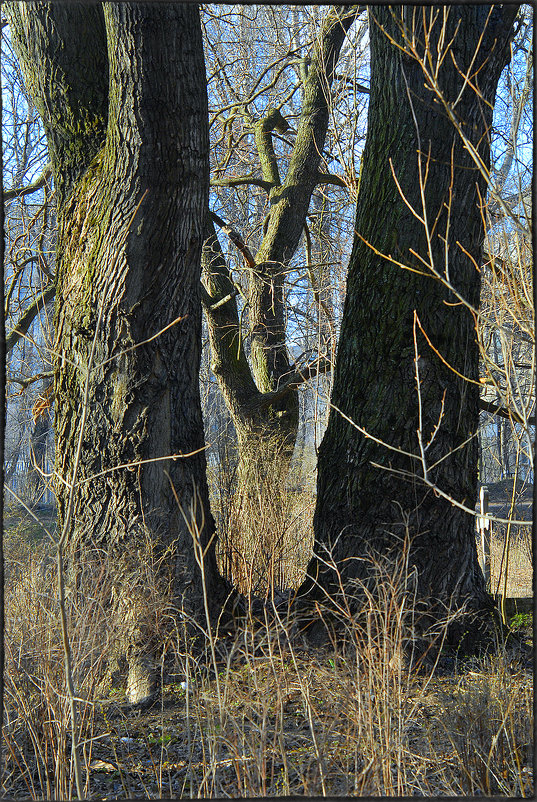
301	728
307	724
520	568
520	554
273	719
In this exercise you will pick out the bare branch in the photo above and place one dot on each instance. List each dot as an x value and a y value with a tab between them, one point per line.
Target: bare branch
21	328
9	194
235	238
294	380
335	180
240	181
502	412
263	129
24	382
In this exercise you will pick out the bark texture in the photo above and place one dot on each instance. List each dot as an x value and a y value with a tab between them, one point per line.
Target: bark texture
131	214
371	501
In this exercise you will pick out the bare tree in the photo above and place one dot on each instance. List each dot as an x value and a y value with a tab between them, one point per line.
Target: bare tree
249	341
398	463
121	91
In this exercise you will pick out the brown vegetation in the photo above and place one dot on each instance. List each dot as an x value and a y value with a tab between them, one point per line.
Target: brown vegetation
265	715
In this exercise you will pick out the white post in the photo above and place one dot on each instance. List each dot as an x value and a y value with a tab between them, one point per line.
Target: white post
484	527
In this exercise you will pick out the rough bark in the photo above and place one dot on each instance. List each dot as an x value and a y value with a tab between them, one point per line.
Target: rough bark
68	83
371	500
134	185
263	398
3	388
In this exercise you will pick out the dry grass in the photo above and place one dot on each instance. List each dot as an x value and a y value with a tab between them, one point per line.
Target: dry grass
519	565
37	718
271	718
265	534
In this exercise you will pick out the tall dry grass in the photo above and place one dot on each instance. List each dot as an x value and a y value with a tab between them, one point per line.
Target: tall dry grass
37	711
265	531
267	715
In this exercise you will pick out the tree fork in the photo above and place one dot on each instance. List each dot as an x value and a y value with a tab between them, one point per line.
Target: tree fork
271	375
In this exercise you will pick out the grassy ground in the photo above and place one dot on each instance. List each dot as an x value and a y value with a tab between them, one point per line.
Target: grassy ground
271	718
25	528
312	725
519	565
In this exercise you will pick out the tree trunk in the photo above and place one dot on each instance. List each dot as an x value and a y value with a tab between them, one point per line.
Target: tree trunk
38	456
263	399
265	432
130	219
373	504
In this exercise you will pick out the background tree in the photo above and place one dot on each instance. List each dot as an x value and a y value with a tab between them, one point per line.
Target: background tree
406	386
506	333
250	352
120	88
29	281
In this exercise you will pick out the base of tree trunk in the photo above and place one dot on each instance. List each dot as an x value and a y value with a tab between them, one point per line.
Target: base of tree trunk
395	591
425	632
142	683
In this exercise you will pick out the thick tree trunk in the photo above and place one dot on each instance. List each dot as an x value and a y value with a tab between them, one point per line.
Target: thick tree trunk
129	262
372	502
